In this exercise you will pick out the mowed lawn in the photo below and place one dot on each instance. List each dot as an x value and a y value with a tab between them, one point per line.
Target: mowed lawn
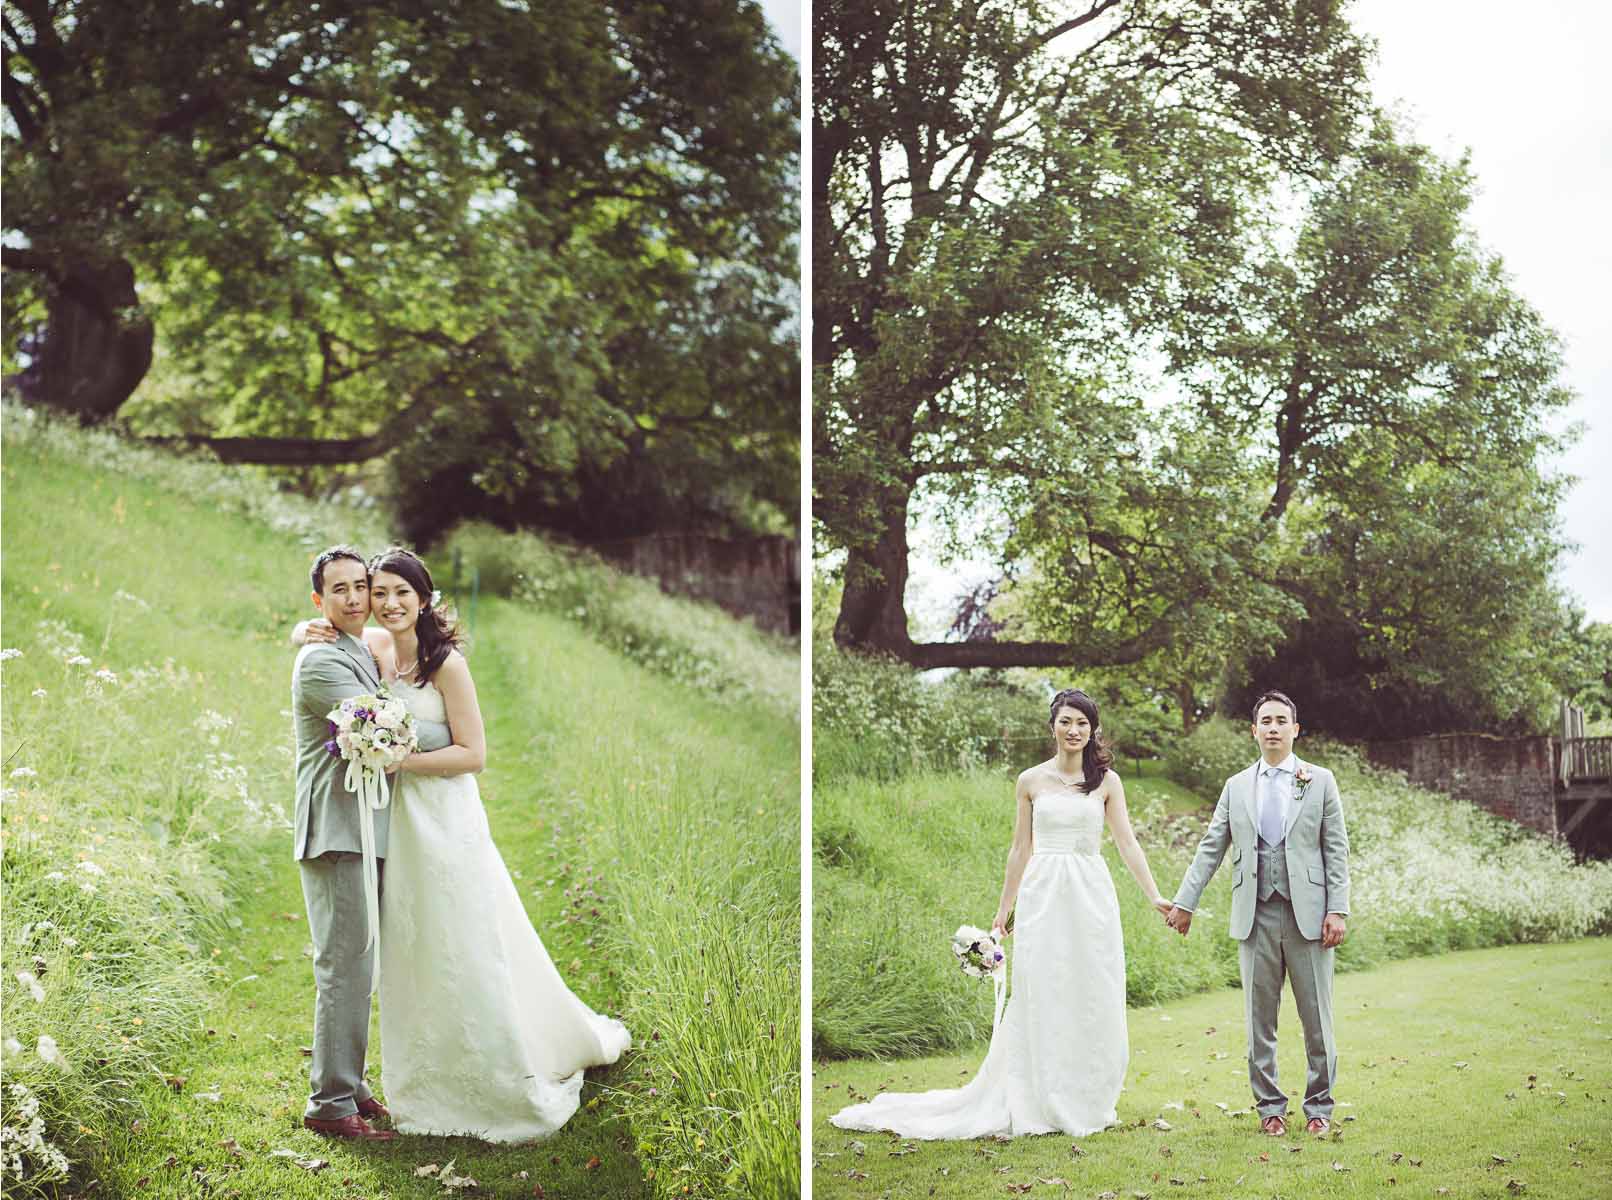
1484	1073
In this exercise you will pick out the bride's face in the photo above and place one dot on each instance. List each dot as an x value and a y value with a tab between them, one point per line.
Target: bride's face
396	605
1072	729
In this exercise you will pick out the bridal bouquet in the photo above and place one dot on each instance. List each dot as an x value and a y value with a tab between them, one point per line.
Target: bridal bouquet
371	733
978	953
981	955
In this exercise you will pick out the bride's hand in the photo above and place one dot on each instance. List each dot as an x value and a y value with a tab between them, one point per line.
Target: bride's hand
316	630
1163	905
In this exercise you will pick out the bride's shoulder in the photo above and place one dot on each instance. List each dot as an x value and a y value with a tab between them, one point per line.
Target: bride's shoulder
1030	776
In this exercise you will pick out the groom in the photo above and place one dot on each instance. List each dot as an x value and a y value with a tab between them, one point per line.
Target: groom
1283	821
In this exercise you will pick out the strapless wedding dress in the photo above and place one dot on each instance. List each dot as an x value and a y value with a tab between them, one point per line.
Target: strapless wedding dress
479	1034
1057	1061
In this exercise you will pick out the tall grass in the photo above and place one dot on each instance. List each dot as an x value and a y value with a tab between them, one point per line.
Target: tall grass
170	774
899	864
144	760
698	804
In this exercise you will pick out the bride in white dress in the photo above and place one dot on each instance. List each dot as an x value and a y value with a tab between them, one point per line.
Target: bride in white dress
1057	1061
479	1034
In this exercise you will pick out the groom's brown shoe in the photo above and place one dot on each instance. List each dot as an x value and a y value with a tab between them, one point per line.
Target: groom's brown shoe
353	1126
372	1109
1273	1125
1317	1125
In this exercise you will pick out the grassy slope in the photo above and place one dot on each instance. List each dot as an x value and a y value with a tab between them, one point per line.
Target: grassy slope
1448	1062
567	719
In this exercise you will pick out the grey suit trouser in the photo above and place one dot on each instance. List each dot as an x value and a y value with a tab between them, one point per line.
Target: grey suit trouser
333	890
1274	949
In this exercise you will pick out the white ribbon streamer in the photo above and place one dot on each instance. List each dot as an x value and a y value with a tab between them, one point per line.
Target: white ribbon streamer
999	982
369	785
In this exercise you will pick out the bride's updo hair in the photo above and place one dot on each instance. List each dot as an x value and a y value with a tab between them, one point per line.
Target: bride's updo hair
438	634
1096	758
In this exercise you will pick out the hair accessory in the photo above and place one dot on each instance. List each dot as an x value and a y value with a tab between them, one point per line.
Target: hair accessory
436	598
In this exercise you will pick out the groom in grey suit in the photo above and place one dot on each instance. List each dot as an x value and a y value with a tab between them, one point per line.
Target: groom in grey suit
1282	819
329	855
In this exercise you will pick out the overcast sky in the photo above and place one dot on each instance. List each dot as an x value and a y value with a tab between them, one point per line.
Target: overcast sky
784	17
1522	89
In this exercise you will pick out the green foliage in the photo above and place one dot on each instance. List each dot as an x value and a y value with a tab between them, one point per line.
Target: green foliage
695	643
876	718
1211	754
554	252
1225	361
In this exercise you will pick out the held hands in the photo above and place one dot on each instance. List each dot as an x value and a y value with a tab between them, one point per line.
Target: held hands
1178	919
1163	905
1333	931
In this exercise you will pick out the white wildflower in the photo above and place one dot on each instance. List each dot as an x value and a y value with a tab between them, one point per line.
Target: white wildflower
25	773
78	660
55	876
106	676
27	979
9	653
13	1046
38	693
90	868
49	1052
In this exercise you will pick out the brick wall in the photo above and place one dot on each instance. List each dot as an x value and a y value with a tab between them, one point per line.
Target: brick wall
1512	777
755	577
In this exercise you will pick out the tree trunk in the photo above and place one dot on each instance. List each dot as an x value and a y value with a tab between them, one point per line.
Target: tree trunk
1187	699
94	354
873	615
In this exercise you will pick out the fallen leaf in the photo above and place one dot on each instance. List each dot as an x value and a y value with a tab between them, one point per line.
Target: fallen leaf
858	1148
1338	1166
1162	1125
592	1164
1054	1181
177	1082
1516	1185
423	1172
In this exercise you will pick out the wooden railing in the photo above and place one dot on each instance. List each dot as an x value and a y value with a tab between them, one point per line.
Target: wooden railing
1586	758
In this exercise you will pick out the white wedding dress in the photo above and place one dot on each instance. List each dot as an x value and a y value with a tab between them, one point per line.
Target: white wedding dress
479	1034
1057	1061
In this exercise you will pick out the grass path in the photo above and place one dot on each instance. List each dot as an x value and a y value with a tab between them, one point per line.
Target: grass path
1485	1073
251	1056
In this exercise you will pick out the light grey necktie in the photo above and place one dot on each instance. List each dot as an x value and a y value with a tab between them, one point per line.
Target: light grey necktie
1270	810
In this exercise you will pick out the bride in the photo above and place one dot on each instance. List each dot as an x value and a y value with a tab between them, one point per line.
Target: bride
479	1034
1057	1061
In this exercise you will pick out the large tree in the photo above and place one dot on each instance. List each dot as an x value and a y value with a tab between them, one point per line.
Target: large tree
1006	197
557	236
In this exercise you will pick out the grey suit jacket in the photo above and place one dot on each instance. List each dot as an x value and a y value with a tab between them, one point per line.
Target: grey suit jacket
325	674
1316	847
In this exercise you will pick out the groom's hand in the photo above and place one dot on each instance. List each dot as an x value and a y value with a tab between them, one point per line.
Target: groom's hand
1179	919
1332	931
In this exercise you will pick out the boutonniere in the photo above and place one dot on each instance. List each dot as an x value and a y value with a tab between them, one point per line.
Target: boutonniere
1301	780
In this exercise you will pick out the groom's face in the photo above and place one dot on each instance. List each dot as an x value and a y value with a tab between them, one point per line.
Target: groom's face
1275	730
345	600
